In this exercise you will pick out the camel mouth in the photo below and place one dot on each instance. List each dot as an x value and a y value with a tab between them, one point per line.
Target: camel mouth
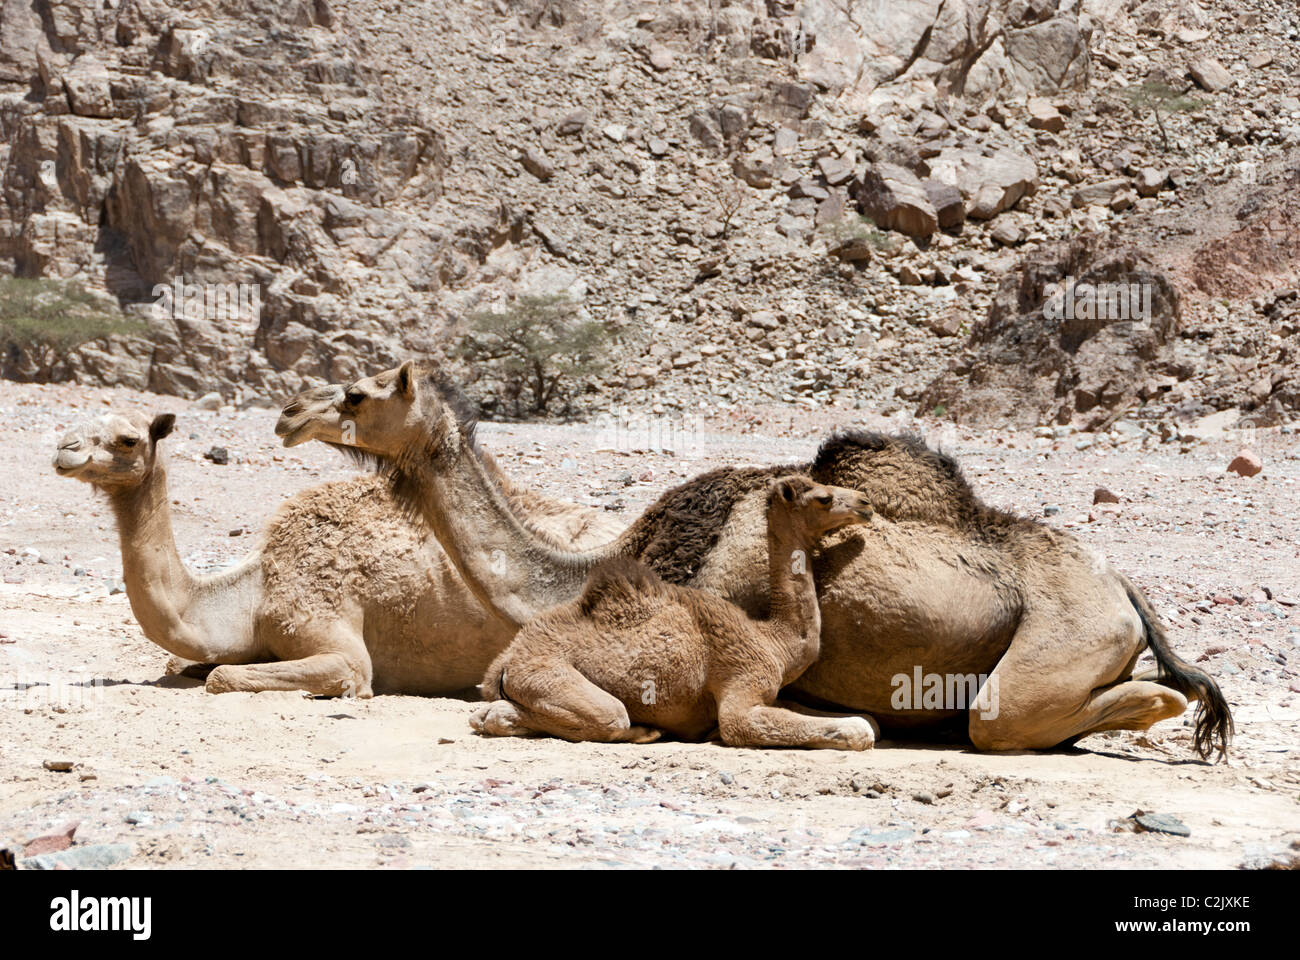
68	463
292	434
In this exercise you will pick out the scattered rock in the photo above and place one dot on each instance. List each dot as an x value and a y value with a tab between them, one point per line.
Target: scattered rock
96	857
1044	116
1210	75
60	839
536	163
1102	495
1103	193
1006	233
218	455
1246	464
1150	181
1160	823
879	838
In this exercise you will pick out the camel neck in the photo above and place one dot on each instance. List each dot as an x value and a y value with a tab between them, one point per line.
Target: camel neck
794	594
158	585
513	572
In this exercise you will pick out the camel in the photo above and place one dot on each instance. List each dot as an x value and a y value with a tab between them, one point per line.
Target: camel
634	656
345	596
950	588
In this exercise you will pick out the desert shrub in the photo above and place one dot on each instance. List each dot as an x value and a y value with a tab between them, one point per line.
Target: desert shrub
43	318
1159	100
536	349
856	228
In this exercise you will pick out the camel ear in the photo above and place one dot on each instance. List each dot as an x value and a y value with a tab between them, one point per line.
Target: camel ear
406	379
161	426
786	491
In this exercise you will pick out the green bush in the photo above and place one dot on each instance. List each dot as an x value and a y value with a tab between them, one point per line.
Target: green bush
46	318
1160	100
856	228
1153	94
535	348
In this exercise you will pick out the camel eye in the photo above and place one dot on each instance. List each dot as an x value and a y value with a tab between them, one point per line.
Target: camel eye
128	441
825	499
354	397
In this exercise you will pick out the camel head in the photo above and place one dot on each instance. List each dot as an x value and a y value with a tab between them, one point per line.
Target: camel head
403	411
116	451
815	507
311	415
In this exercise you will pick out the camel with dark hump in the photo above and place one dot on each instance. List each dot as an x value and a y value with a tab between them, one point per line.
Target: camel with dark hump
634	656
950	587
346	595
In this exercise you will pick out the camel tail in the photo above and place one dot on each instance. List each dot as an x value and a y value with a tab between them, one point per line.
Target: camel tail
1214	727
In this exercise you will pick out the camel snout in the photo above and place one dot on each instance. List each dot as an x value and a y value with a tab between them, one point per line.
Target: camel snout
70	458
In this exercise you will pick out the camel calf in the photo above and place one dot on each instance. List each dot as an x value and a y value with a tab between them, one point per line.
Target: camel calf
634	656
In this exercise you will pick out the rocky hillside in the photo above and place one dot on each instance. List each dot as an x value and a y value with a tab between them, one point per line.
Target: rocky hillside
859	203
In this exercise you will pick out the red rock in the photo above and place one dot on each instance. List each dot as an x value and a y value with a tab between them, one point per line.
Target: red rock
51	842
1223	601
1246	464
1102	495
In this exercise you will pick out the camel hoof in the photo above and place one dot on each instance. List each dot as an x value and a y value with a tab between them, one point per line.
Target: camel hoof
643	734
853	733
477	717
221	680
499	719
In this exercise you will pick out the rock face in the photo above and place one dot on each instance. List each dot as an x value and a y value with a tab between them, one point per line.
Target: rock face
1053	348
975	48
311	191
192	154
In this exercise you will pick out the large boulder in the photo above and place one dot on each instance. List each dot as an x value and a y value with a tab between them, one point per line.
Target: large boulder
1070	337
895	199
990	182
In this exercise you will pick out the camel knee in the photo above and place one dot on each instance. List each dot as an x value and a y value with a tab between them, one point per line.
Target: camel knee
1163	704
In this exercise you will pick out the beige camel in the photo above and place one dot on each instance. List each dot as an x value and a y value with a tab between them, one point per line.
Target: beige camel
634	656
345	596
950	589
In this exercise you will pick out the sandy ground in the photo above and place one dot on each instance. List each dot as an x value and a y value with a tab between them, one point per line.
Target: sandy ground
273	780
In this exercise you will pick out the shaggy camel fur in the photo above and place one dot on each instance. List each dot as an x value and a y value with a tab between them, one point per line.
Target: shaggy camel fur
951	587
634	656
346	593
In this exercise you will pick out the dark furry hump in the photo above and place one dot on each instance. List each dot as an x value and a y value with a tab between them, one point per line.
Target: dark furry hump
905	479
678	531
616	581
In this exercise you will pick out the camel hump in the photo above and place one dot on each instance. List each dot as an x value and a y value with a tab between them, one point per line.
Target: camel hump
618	581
